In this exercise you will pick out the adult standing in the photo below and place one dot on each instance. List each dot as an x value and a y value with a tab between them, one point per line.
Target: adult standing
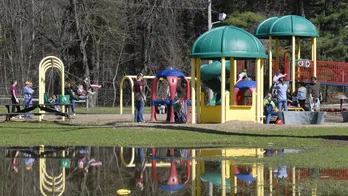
140	98
28	97
14	98
282	89
71	92
275	80
302	95
314	94
140	167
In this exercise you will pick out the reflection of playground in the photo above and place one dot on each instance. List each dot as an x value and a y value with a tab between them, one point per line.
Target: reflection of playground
49	184
208	171
226	175
164	157
52	184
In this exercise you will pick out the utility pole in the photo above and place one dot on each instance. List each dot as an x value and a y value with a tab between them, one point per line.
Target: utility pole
209	15
209	91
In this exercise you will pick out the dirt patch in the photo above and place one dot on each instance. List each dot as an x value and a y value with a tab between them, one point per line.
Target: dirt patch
125	120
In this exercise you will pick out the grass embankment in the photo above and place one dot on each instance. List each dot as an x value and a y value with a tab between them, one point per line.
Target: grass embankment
312	140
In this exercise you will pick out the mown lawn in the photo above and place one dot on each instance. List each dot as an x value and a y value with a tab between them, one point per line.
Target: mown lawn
318	143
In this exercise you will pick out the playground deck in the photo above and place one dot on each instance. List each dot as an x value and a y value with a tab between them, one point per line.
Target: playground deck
328	72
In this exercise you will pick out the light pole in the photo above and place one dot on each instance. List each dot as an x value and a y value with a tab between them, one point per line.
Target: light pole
222	16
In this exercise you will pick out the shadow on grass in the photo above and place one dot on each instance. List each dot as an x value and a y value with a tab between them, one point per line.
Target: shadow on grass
212	131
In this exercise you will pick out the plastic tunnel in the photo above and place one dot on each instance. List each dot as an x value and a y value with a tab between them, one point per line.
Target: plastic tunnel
211	77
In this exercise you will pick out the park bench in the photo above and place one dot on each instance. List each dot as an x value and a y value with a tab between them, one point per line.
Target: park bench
44	107
47	107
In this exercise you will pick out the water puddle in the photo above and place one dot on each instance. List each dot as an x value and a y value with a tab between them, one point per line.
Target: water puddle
49	170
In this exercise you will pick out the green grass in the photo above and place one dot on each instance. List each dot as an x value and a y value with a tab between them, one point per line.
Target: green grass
33	133
312	140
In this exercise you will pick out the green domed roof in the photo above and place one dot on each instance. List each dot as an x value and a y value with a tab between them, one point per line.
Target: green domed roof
286	26
227	41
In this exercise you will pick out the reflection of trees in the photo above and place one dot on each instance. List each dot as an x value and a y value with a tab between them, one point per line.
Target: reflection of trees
103	180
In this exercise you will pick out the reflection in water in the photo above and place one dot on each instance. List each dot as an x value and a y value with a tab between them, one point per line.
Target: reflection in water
158	171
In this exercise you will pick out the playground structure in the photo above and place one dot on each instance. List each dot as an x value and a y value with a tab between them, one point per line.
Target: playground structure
49	185
131	78
286	27
218	44
228	177
52	185
172	76
50	62
173	184
258	180
44	105
241	47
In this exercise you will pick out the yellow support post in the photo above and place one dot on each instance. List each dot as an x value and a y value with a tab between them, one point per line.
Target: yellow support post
298	180
223	173
258	90
193	173
298	48
277	52
262	180
314	56
293	73
312	49
270	66
298	55
193	91
198	177
223	89
233	79
262	86
270	181
198	89
293	181
314	189
258	180
121	92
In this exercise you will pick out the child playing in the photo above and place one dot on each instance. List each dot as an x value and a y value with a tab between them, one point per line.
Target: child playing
81	92
315	104
54	100
89	86
84	163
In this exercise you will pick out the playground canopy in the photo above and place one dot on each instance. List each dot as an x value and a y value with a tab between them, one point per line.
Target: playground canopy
285	27
227	41
170	72
290	27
